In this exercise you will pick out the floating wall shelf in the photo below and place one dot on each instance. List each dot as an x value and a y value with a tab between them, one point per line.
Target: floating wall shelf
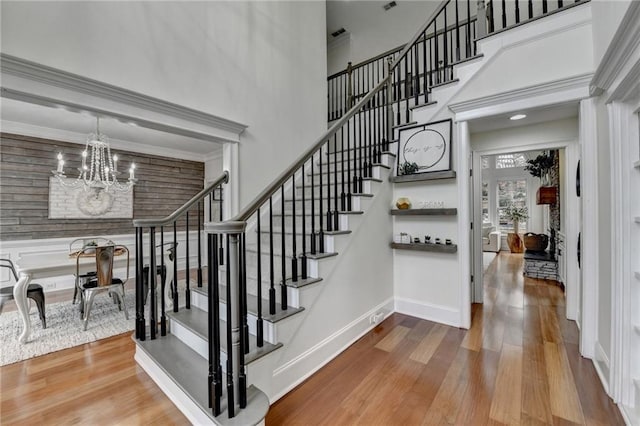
438	248
425	212
449	174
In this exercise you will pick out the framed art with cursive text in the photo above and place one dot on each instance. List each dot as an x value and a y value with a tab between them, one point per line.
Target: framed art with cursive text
425	148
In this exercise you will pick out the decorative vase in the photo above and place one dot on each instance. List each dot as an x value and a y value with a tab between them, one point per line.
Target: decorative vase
515	243
403	203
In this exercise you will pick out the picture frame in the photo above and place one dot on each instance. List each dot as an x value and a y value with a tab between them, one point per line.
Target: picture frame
425	148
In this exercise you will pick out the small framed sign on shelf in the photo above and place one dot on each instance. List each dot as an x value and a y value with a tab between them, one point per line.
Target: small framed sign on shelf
425	148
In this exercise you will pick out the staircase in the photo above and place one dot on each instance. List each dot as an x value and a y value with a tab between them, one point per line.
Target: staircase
214	336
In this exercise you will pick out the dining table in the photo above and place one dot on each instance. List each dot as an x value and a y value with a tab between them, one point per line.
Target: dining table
30	267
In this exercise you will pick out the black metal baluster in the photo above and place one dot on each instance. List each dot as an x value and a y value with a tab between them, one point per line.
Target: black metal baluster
321	211
343	194
163	278
504	14
517	11
141	332
303	258
294	258
407	80
348	165
468	31
560	4
370	135
272	289
398	92
360	151
530	8
153	318
188	272
329	218
336	197
424	69
416	76
175	294
379	111
231	406
259	322
313	206
242	323
199	275
221	256
213	317
545	7
283	288
457	33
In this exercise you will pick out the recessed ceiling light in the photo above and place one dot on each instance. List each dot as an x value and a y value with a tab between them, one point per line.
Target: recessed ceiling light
517	117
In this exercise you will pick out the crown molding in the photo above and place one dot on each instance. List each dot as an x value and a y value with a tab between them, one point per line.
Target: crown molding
554	92
31	82
81	139
624	43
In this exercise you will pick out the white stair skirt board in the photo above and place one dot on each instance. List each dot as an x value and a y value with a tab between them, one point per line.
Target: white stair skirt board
309	362
442	314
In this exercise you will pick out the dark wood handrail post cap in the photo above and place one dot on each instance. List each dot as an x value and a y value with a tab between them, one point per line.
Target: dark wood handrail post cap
228	227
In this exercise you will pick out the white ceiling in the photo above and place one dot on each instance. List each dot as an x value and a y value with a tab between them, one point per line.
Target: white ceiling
60	124
534	116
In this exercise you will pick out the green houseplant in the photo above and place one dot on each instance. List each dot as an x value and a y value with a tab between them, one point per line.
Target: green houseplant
517	215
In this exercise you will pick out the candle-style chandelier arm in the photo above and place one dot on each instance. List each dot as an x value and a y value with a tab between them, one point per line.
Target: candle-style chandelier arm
101	171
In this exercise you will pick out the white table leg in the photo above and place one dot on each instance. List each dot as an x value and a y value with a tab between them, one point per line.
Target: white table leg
20	296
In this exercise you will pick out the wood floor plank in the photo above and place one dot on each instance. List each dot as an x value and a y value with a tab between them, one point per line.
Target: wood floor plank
506	404
393	339
473	338
563	394
549	324
446	405
536	406
429	344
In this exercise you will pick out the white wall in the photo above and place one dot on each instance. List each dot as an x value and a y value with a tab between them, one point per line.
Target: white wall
373	31
232	59
607	15
526	136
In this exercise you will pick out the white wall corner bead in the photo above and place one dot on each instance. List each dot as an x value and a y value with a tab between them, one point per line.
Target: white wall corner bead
76	203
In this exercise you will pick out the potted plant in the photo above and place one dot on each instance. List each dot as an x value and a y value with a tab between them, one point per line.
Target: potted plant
408	168
516	215
540	166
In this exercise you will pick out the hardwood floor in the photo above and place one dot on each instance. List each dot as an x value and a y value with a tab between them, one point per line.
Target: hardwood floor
518	364
94	384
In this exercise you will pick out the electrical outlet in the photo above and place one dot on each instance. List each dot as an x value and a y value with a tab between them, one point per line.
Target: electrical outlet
376	318
49	286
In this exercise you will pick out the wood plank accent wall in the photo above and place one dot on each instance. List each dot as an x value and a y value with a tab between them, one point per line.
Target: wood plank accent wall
164	184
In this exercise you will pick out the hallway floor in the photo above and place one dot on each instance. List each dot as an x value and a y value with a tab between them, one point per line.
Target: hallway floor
518	364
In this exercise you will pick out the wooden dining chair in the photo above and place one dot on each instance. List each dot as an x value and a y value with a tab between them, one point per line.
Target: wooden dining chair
103	280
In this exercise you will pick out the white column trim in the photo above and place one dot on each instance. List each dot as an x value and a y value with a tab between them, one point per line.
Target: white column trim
589	237
464	220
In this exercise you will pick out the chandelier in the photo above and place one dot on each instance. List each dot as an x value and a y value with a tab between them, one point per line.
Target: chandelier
99	168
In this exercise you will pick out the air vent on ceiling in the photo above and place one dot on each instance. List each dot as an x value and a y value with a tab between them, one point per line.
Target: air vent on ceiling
390	5
338	32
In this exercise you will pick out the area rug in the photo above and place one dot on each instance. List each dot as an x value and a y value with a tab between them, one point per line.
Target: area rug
64	328
487	258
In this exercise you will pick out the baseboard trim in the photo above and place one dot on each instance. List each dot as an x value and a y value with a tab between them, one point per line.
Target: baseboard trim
600	361
189	408
342	338
629	415
427	311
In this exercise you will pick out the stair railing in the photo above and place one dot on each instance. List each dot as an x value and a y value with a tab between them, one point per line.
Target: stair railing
169	252
428	60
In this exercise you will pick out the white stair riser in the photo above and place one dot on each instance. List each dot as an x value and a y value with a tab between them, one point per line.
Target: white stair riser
201	301
386	159
366	189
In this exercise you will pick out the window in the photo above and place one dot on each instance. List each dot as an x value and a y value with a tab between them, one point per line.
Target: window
511	192
506	161
485	202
